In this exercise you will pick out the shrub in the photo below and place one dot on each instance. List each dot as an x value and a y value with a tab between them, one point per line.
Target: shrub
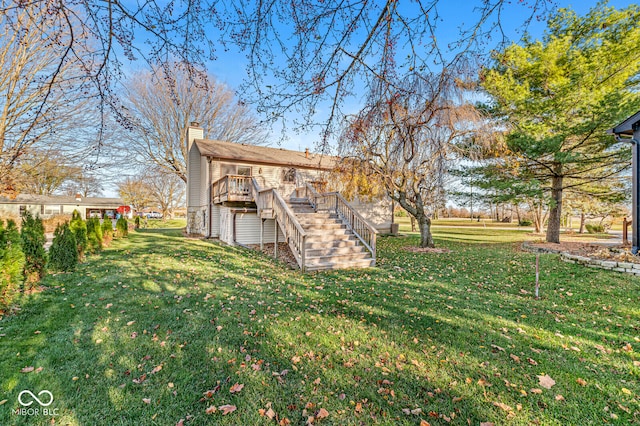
136	222
594	229
525	222
63	254
122	228
79	229
11	263
94	235
52	222
33	239
107	232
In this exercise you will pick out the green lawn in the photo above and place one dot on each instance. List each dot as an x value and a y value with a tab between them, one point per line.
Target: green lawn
160	328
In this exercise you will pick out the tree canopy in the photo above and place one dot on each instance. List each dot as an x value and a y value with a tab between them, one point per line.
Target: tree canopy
558	96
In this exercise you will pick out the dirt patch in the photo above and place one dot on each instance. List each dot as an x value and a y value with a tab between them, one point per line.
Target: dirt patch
426	249
284	253
593	251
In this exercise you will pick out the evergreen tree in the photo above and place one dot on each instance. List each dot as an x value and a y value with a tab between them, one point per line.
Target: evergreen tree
79	228
63	254
122	228
33	239
94	235
11	263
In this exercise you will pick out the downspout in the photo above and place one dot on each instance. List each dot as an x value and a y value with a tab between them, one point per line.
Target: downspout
210	201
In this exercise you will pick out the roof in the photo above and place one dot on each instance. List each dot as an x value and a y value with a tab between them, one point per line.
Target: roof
61	199
264	155
628	126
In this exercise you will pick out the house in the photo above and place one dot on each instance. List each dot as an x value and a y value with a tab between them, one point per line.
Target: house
246	194
47	206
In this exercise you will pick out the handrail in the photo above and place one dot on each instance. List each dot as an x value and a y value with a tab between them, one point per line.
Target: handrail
230	184
293	232
360	227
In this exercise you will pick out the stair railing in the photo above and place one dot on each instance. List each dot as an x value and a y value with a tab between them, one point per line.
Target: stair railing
293	232
334	202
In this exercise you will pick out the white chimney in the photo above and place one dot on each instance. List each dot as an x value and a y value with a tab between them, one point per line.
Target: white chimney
194	131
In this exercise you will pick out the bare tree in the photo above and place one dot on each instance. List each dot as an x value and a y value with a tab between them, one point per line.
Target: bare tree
167	191
161	110
38	112
43	173
300	54
405	140
135	192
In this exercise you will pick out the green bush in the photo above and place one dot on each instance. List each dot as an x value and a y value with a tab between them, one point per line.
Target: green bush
11	263
33	239
122	228
94	235
594	229
63	254
107	232
136	222
79	229
525	222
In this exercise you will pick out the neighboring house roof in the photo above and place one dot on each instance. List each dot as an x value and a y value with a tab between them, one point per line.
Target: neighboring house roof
627	126
60	199
230	151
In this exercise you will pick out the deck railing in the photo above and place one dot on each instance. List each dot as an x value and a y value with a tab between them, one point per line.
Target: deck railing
335	203
270	199
231	187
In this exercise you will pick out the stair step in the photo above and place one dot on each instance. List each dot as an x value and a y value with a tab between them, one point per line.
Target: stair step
323	226
327	244
315	235
314	260
362	263
334	251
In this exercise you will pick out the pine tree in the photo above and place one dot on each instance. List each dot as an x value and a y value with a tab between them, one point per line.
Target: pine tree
11	263
63	254
79	229
94	235
33	239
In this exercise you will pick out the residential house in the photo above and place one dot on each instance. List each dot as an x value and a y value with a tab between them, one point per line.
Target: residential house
47	206
246	194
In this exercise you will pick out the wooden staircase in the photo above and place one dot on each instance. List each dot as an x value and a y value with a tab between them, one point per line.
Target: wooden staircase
329	244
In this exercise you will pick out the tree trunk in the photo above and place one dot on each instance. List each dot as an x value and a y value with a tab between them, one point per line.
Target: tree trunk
518	214
582	222
426	239
413	223
555	213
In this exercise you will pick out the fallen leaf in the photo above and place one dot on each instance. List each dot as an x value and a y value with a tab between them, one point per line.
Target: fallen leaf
532	361
156	369
503	406
270	413
559	398
180	422
322	414
4	401
546	381
108	305
581	382
536	391
295	359
424	423
284	422
131	322
416	411
497	348
516	358
211	410
625	390
236	388
146	400
27	369
227	408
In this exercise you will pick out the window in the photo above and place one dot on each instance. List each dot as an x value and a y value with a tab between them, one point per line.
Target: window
244	171
289	176
23	209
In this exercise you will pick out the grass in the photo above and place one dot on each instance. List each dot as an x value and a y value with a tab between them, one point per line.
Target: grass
139	334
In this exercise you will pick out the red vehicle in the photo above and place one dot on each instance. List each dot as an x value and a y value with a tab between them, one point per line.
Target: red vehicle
124	211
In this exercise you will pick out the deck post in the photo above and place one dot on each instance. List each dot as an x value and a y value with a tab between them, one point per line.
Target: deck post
275	239
261	234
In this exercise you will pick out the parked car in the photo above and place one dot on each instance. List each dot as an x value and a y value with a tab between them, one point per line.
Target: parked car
154	215
95	213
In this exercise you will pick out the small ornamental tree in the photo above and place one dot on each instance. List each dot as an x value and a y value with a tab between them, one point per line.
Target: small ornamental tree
107	232
33	239
94	235
122	228
63	254
11	263
79	229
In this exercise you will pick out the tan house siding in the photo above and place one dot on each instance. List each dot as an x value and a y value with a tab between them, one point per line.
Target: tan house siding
376	212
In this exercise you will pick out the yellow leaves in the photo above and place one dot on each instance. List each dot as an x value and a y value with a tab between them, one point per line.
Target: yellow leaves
516	358
626	391
581	382
503	406
536	391
424	423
